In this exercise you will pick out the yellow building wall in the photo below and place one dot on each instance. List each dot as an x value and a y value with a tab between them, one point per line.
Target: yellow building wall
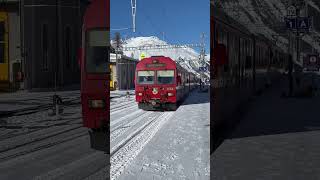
111	78
4	67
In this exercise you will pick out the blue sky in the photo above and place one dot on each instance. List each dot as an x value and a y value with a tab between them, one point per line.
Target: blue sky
182	21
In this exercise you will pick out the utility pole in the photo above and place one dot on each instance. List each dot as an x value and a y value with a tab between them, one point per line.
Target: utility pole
202	57
298	36
55	99
57	48
118	51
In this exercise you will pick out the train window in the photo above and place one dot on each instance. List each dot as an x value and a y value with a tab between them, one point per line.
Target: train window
165	77
97	55
2	43
45	46
146	77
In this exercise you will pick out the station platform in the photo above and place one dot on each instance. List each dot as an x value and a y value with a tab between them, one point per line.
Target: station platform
26	100
277	138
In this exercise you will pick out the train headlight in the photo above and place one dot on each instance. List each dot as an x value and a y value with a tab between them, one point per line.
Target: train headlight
170	94
170	88
139	94
96	103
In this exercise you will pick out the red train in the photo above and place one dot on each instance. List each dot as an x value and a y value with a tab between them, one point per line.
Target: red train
93	61
243	65
162	83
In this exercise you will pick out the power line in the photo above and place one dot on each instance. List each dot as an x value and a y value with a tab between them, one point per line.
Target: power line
120	29
157	47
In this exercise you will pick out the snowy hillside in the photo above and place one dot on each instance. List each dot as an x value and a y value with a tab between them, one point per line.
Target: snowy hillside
186	57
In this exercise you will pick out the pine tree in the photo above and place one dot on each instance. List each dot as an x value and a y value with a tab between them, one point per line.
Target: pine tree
117	43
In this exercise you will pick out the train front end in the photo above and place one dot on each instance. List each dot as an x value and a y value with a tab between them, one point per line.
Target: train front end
95	73
155	83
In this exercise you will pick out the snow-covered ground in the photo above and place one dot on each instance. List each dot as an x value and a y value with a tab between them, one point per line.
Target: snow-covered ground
160	145
144	144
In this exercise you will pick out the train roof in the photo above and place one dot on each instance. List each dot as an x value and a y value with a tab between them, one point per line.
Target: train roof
161	59
157	60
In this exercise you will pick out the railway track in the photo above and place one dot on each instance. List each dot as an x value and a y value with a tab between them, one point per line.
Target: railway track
48	141
15	130
128	125
121	106
39	108
120	109
129	147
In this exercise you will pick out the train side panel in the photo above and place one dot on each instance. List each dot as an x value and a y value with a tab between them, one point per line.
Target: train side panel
246	68
4	50
95	77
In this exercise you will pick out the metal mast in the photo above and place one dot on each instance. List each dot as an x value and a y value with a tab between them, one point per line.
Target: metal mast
134	10
202	57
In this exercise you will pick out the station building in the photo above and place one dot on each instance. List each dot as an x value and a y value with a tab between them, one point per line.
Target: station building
122	70
38	44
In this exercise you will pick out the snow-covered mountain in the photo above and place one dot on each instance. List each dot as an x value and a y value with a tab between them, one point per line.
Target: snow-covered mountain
186	57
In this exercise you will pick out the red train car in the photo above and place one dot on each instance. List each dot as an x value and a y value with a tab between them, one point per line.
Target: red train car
161	83
242	65
93	60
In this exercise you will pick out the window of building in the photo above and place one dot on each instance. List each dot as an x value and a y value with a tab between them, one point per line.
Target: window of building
45	47
2	42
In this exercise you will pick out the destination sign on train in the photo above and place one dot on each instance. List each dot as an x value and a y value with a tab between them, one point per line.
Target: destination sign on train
155	65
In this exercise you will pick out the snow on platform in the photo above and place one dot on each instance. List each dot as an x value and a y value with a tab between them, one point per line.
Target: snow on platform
277	139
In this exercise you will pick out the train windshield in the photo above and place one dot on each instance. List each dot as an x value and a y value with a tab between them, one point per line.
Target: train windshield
165	77
97	51
146	77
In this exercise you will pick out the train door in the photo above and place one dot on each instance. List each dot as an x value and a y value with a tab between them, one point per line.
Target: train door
4	59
